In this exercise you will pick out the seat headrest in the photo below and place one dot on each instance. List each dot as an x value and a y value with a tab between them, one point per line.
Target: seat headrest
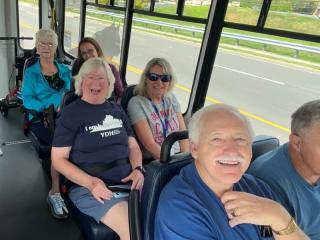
126	96
29	62
263	144
68	98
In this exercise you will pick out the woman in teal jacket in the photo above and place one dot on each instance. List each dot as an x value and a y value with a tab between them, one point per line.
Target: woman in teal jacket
37	91
44	83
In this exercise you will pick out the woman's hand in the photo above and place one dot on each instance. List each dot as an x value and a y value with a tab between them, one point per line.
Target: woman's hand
137	179
99	190
243	207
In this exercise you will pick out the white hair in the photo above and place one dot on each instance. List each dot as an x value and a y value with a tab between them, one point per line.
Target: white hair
87	67
46	35
196	120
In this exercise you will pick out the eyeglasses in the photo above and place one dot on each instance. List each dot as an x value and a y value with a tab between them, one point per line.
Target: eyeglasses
154	77
43	44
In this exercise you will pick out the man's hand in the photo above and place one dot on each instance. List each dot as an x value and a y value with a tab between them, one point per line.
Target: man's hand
248	208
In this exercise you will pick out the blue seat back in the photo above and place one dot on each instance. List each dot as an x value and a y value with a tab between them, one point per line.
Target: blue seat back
158	174
263	144
126	96
68	98
43	149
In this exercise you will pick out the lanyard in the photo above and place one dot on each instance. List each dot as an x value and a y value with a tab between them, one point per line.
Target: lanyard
164	123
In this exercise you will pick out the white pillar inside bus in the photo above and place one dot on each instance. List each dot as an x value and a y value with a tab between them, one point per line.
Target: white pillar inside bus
8	28
46	14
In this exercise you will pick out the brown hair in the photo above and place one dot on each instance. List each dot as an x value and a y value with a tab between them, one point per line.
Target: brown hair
94	43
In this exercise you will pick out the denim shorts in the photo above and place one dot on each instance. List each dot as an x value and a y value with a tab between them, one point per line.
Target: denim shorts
86	203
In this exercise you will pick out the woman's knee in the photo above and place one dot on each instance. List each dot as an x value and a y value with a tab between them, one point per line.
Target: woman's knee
117	219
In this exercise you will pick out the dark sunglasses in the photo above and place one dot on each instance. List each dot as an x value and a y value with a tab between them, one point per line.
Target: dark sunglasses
154	77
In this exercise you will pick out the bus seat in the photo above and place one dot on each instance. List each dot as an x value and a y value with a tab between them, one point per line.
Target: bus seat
159	173
88	226
263	144
41	148
75	66
126	96
68	98
134	219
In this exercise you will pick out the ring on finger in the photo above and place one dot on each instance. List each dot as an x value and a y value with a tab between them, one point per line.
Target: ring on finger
234	214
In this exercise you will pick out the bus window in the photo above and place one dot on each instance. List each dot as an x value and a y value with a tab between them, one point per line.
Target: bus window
28	21
244	12
106	27
295	16
178	46
71	29
267	83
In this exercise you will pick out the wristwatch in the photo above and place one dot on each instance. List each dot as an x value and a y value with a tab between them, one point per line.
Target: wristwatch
141	169
292	226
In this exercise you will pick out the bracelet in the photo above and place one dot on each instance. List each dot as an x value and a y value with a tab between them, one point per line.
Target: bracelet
292	226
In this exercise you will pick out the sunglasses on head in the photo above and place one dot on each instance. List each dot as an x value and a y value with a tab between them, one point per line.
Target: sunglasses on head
154	77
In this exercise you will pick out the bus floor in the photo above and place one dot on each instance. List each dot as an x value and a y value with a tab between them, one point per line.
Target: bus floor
24	186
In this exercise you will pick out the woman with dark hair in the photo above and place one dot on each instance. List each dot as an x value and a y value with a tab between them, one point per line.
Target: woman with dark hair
90	48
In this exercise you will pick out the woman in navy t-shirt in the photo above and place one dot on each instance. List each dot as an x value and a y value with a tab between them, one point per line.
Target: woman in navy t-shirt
94	145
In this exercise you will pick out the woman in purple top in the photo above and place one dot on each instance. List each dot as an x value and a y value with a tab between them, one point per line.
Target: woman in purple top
90	48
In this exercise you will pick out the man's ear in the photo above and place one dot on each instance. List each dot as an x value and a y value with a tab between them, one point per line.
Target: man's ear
193	149
295	142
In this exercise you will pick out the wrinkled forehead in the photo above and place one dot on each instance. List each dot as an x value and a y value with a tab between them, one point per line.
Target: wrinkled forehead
95	72
220	120
46	38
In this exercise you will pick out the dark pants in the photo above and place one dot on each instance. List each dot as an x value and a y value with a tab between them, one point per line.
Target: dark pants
43	133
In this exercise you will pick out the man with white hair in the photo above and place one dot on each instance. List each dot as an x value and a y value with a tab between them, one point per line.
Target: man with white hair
212	198
293	169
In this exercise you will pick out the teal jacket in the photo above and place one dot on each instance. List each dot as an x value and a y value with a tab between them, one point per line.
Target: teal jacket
36	92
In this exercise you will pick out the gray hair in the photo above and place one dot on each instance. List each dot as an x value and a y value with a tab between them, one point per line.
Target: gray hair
89	66
304	116
140	89
46	35
196	120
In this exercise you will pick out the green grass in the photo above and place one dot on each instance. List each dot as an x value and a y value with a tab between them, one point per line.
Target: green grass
283	21
191	11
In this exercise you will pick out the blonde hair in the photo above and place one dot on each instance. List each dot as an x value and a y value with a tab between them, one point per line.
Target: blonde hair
87	67
46	35
140	89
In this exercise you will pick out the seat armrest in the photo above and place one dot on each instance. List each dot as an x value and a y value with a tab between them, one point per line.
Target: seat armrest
134	215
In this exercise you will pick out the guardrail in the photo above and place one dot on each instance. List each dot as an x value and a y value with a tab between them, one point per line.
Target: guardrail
295	46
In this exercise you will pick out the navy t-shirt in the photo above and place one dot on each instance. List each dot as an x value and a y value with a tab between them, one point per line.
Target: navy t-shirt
188	209
97	133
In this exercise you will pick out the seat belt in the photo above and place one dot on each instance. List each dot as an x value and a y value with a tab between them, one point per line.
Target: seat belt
99	168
